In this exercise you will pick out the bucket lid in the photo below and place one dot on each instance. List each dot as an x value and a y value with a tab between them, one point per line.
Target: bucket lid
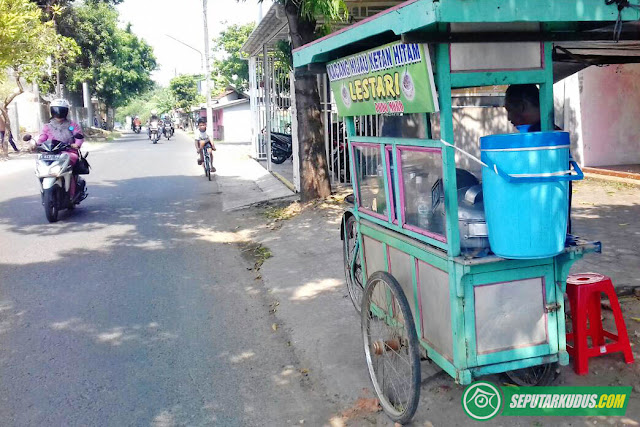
524	140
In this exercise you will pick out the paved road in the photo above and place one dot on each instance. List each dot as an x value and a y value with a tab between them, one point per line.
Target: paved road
134	309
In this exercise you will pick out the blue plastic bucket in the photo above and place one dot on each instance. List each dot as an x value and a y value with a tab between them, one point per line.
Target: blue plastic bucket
526	192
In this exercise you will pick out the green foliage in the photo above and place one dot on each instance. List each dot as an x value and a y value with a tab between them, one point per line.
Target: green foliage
234	62
310	10
185	91
116	62
283	54
328	9
7	87
164	100
158	98
50	4
27	44
140	106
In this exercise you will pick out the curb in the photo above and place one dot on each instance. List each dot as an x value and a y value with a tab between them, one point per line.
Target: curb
607	172
285	181
611	178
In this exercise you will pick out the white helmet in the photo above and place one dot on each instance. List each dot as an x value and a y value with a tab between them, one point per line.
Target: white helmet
154	113
59	108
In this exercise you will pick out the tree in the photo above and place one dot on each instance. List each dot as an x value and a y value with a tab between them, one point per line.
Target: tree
46	5
185	90
114	60
27	44
164	100
233	62
301	17
158	98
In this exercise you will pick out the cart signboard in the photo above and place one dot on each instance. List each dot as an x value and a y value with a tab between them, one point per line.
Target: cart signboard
394	78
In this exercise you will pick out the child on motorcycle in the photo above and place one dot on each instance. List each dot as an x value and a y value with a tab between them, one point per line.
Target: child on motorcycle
202	139
62	129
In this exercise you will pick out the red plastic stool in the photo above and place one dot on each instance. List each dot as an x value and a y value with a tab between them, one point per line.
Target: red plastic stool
584	290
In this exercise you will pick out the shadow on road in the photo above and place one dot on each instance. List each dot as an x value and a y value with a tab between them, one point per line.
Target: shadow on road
143	316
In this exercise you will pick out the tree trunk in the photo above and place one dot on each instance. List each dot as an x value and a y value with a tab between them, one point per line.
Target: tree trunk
5	115
314	170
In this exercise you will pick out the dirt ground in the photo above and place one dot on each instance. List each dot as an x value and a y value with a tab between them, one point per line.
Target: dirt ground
602	211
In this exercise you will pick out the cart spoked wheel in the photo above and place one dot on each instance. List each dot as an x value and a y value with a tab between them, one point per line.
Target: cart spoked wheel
391	346
352	267
536	375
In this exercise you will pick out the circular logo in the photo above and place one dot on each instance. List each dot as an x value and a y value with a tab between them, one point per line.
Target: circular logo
482	401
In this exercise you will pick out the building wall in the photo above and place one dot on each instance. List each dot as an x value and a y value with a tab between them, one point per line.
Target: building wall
30	114
218	124
469	125
237	123
610	105
568	114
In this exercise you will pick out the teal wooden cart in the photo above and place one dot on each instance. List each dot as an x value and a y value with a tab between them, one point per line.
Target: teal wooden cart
422	289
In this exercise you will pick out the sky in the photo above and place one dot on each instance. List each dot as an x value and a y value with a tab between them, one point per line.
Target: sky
182	19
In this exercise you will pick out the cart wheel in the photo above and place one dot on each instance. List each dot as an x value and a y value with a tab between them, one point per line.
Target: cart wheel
536	375
391	347
353	274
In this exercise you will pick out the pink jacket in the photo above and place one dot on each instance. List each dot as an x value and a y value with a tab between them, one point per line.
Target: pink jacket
61	132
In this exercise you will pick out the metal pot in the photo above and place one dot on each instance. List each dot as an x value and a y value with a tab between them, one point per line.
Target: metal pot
471	218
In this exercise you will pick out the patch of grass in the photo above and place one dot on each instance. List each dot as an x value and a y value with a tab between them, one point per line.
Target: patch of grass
282	212
608	184
261	253
276	213
256	252
623	186
113	135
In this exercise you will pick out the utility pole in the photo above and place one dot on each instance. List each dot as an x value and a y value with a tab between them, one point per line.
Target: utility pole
207	70
86	97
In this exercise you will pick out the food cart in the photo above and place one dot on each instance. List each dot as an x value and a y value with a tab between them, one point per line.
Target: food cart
418	262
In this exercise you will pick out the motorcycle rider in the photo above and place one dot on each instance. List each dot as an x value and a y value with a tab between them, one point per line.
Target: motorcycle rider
62	129
154	118
168	121
202	139
137	122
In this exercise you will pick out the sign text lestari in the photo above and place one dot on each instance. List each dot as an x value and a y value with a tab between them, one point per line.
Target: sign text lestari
394	78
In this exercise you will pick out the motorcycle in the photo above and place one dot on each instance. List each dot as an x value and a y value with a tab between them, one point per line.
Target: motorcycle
167	130
154	132
137	128
281	147
55	173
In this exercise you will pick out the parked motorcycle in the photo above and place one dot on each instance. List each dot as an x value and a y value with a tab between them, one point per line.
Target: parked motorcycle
281	147
55	173
154	131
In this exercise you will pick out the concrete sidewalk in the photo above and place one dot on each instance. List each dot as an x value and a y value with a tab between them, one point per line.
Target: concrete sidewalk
284	171
242	180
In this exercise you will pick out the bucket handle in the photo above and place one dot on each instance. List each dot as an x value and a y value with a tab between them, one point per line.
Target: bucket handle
529	178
